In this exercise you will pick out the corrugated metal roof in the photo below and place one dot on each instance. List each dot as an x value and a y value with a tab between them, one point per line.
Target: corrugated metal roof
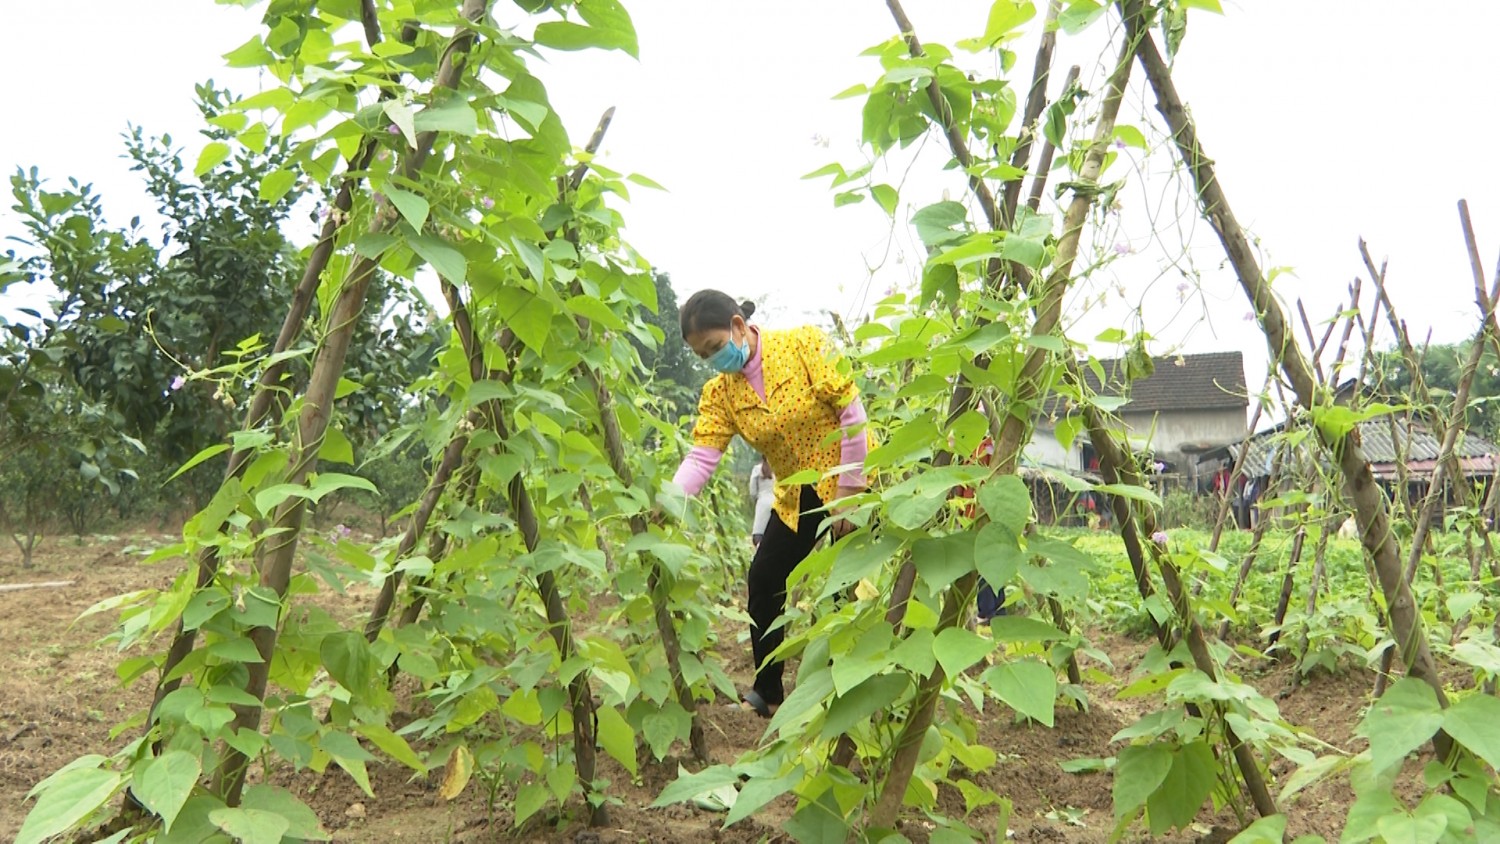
1412	439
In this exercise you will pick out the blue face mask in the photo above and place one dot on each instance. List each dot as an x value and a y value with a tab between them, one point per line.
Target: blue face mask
731	358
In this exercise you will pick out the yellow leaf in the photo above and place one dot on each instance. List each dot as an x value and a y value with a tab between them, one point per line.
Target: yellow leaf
460	767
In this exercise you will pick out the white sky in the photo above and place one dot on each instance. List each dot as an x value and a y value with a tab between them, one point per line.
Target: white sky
1328	120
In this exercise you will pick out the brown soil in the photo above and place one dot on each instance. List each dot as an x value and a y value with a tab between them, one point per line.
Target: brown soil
61	699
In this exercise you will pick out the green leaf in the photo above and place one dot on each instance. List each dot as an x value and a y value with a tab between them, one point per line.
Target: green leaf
392	745
529	316
203	606
660	730
1412	829
529	800
445	260
452	116
935	223
400	114
1271	830
251	826
862	701
617	738
413	207
349	659
957	648
205	454
165	783
235	650
336	447
1131	137
566	35
1028	687
1007	501
819	821
861	558
346	751
943	560
1078	15
886	197
1188	783
1140	769
1023	250
212	156
302	821
1404	718
1474	722
1206	5
997	554
688	785
759	791
1005	17
66	799
276	184
1019	628
327	482
645	181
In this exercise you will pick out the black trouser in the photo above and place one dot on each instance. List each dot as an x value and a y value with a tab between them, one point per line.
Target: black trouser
780	551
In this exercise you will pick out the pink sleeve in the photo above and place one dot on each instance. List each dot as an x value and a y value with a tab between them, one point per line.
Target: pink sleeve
855	445
697	467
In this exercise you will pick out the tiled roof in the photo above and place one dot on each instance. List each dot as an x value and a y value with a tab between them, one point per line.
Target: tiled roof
1212	381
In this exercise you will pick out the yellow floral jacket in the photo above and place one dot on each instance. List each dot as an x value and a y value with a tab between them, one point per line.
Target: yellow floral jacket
796	425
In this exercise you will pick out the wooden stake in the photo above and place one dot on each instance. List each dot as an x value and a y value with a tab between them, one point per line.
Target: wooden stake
1359	481
1015	432
317	407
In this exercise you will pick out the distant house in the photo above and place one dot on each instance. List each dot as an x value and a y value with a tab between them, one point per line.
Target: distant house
1393	445
1189	404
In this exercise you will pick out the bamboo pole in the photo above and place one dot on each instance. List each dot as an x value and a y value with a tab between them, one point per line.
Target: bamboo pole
317	407
453	454
1358	479
1016	430
1116	468
262	407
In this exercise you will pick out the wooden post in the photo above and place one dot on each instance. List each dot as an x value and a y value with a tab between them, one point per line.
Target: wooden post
317	407
1015	430
1358	479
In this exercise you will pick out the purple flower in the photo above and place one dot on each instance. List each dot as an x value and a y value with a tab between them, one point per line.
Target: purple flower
1249	316
393	129
177	383
1119	144
1160	537
1123	249
342	530
488	203
1182	288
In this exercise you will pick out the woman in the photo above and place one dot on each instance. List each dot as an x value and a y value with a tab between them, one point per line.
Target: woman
783	392
763	496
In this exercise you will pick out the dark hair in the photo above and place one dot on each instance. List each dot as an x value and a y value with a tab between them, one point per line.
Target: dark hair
711	309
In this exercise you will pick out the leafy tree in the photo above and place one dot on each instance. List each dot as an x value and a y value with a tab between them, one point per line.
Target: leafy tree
678	373
134	320
1391	379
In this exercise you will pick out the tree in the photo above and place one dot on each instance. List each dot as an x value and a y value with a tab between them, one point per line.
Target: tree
676	371
1391	379
164	335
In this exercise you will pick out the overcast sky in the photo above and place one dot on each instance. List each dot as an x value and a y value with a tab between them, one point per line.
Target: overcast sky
1328	120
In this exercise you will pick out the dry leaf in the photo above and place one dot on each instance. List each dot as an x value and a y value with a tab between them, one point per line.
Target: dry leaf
460	767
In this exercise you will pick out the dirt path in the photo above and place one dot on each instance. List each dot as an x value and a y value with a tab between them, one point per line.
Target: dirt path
61	698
